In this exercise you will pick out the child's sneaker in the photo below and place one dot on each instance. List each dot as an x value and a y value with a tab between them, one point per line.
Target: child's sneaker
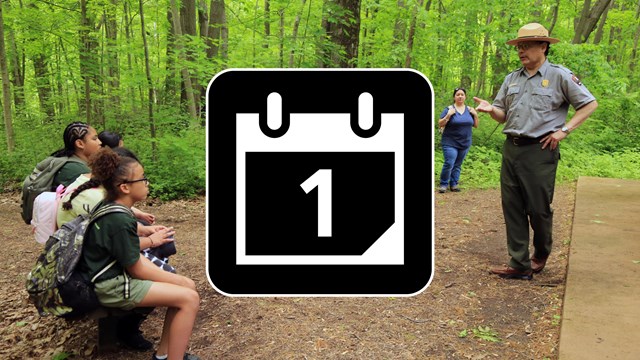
186	356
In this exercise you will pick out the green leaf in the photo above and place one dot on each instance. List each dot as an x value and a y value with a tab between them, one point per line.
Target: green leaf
486	333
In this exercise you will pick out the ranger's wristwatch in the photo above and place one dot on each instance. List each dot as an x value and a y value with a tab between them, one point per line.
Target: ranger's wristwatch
565	130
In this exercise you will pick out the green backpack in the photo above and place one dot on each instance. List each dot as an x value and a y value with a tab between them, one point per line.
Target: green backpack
39	181
53	286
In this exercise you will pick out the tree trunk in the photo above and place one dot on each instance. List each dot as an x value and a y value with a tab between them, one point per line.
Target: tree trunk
218	39
613	32
131	91
600	31
17	70
60	106
147	67
368	36
399	32
86	62
500	60
412	33
188	22
480	85
191	106
588	20
113	67
294	34
6	89
343	31
281	36
267	23
441	51
634	51
76	91
468	69
554	16
43	84
170	82
203	19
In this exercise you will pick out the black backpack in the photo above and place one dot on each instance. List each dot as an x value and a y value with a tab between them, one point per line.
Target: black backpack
53	285
39	181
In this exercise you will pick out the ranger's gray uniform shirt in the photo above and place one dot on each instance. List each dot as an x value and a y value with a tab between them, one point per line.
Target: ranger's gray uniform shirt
539	104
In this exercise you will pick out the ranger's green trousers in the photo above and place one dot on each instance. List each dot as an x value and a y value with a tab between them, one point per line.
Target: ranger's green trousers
527	183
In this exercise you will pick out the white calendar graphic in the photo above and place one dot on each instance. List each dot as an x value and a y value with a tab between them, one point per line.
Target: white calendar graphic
322	173
322	134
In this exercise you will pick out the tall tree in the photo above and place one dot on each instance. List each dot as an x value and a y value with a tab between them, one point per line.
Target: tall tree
341	24
88	62
17	67
43	84
218	39
203	19
399	31
480	84
294	33
588	19
553	18
111	48
634	51
147	67
281	37
189	29
188	87
128	33
368	34
412	33
6	89
600	30
267	23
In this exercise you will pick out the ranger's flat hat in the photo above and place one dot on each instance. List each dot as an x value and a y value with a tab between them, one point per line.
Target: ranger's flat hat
532	32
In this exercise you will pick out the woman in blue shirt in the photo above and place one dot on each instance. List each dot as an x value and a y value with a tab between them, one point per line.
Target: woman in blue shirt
456	120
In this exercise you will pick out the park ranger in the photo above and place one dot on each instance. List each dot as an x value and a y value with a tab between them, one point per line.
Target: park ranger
533	103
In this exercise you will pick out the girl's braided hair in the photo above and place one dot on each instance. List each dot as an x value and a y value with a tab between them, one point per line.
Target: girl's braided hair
74	131
106	165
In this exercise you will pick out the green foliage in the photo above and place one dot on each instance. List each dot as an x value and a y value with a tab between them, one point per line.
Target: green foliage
448	47
61	356
180	168
481	168
486	333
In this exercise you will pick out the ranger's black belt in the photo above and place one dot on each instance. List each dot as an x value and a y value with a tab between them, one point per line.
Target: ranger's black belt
522	141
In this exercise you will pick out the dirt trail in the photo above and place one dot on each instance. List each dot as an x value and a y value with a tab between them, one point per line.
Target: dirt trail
465	314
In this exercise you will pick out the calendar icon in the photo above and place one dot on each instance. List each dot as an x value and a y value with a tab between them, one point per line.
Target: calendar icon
326	174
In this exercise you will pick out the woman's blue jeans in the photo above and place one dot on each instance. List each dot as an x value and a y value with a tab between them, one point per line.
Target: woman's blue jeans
453	158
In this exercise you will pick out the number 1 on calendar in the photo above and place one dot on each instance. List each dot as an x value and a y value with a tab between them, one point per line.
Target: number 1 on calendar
321	179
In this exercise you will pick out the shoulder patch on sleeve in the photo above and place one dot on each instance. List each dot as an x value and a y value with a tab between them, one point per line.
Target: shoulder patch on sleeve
576	80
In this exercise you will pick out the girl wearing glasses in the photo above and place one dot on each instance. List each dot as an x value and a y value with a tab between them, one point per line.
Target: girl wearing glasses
114	237
455	124
156	242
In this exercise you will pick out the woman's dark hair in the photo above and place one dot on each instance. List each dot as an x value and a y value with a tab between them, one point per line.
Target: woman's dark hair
105	165
74	131
458	89
110	139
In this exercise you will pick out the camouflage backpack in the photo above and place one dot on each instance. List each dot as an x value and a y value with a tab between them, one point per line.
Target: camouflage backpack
53	286
39	181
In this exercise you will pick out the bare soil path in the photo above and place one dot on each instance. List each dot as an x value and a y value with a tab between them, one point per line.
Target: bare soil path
466	313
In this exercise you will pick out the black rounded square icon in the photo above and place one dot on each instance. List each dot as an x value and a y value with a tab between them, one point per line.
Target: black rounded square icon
319	182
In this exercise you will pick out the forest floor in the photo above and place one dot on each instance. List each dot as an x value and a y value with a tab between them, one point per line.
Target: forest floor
466	313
